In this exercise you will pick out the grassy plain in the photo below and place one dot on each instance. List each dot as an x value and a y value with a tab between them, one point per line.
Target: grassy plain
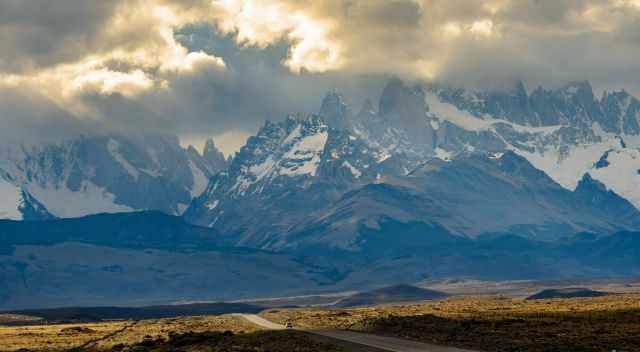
492	323
105	335
486	322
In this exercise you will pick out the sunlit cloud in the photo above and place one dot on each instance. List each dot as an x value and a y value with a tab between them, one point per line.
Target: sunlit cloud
98	59
139	54
482	28
263	23
104	81
451	30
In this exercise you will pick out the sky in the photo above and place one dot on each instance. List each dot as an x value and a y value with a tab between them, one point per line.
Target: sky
199	68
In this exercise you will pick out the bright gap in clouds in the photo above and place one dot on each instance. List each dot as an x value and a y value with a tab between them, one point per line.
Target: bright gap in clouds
228	142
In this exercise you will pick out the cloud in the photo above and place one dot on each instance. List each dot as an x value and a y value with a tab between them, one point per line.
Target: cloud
446	39
77	53
35	34
30	117
200	67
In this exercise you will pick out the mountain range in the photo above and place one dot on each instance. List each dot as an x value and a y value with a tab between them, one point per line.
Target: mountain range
433	182
433	155
103	174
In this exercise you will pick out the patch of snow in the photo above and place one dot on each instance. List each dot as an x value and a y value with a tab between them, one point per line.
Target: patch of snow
625	104
622	175
567	170
295	134
200	180
451	113
572	90
153	154
632	141
10	201
212	204
152	173
253	174
216	219
469	122
261	170
435	124
443	154
382	156
64	203
182	208
113	147
307	151
241	185
355	172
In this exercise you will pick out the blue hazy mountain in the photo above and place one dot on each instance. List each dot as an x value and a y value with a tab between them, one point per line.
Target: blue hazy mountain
151	258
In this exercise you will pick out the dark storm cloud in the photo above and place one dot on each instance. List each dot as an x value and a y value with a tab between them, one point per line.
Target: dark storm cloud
37	33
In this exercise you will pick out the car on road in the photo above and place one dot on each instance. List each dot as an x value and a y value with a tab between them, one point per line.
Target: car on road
289	325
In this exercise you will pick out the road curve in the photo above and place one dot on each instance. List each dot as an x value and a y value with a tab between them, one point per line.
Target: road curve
260	321
381	342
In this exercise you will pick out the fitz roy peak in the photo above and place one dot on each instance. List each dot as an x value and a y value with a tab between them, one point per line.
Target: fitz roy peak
426	155
565	131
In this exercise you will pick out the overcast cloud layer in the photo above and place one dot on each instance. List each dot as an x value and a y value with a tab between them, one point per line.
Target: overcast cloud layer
198	67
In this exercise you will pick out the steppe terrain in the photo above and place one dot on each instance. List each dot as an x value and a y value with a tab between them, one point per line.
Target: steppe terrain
492	323
497	321
106	335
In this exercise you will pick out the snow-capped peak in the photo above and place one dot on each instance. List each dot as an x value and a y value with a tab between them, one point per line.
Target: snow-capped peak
285	158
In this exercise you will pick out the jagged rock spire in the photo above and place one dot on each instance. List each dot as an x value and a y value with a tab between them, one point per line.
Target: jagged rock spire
214	156
334	110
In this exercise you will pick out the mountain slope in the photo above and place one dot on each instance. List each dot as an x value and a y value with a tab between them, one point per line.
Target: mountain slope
563	131
389	295
16	204
151	258
10	200
285	171
113	173
133	259
471	195
453	159
141	230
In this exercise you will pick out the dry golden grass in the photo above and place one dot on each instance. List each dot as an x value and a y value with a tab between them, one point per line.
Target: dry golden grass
493	323
484	307
65	336
488	323
259	341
